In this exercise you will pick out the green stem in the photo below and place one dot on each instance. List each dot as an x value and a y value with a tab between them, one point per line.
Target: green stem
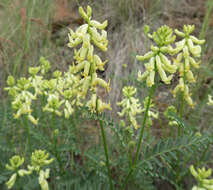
55	150
182	99
178	178
106	153
29	147
140	138
181	110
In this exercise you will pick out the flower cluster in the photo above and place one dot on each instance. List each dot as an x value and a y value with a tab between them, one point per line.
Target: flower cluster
131	106
202	175
22	97
158	61
38	160
61	92
189	49
86	61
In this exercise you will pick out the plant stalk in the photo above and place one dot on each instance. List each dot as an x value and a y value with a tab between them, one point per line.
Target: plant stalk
29	147
106	153
55	149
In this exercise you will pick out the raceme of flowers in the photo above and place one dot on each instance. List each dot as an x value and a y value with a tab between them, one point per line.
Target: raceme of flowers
86	61
130	106
187	50
157	59
39	159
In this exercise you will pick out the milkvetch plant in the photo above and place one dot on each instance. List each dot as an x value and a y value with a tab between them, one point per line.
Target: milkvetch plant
87	63
158	63
62	94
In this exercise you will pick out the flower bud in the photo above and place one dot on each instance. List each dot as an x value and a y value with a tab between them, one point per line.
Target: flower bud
83	14
196	41
179	33
98	25
145	57
89	11
24	172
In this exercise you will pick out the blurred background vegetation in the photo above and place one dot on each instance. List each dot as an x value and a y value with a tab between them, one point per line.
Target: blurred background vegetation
30	29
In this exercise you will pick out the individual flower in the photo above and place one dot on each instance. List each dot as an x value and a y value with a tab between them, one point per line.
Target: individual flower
157	59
